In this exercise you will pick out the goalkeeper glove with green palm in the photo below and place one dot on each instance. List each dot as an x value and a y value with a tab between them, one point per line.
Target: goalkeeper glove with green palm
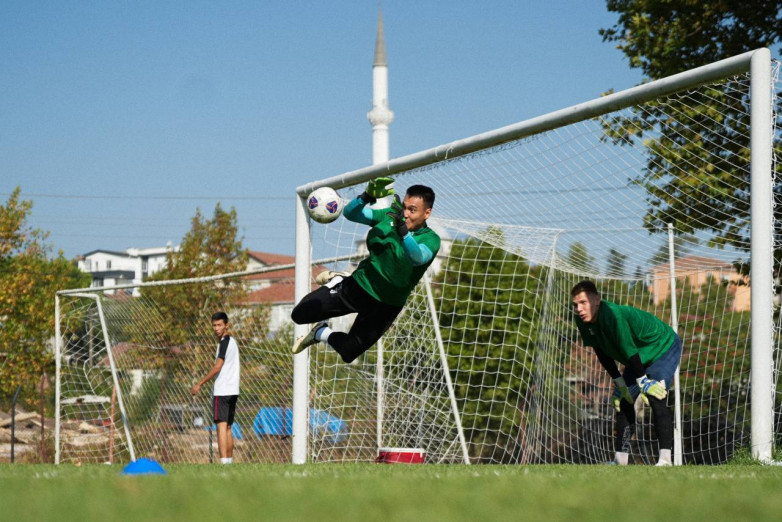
397	213
621	391
651	387
377	188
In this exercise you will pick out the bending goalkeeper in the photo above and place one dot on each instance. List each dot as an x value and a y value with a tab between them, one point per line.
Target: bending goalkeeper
650	351
401	247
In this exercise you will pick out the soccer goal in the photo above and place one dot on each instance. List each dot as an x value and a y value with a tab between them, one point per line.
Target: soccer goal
663	194
127	356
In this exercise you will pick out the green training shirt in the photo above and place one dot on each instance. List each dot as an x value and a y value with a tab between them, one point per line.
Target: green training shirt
387	274
622	331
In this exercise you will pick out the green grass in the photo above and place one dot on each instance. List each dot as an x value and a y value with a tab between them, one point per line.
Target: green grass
362	492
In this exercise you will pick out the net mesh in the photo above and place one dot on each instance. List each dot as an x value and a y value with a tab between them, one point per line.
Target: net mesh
159	352
485	362
521	224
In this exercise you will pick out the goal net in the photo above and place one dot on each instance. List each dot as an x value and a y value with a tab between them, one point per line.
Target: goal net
128	356
485	363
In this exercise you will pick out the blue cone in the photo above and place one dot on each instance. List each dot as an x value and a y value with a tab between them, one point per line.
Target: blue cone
144	466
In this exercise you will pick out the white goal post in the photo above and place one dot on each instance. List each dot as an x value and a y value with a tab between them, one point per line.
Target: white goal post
548	398
127	356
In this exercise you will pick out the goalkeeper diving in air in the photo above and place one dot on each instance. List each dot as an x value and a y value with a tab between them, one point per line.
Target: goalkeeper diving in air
401	247
650	351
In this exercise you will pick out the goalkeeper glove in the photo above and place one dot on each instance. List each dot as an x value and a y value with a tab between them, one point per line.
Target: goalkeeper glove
621	391
397	214
377	188
651	387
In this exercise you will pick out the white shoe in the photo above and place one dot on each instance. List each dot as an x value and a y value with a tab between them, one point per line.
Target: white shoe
307	340
327	275
663	463
621	458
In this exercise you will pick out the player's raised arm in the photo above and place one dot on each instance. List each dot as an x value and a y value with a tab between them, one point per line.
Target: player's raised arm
357	210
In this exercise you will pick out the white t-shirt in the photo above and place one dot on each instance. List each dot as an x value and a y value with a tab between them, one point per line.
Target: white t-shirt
227	381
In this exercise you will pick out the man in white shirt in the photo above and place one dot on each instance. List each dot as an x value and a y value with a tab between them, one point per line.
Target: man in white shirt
226	386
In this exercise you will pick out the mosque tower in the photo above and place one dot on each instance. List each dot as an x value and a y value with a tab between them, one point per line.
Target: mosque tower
380	116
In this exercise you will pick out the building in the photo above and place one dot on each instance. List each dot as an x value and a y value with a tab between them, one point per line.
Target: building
133	266
697	270
274	288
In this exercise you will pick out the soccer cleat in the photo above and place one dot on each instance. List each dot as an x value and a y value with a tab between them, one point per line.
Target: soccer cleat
327	275
663	463
307	340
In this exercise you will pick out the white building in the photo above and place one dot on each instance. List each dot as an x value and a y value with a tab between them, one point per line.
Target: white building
133	266
272	288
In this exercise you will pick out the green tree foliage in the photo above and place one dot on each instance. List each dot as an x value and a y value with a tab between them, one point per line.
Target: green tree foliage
697	173
487	312
663	37
175	338
716	336
578	256
30	274
182	311
715	369
616	263
211	247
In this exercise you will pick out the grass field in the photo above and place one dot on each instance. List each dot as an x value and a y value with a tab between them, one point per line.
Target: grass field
347	492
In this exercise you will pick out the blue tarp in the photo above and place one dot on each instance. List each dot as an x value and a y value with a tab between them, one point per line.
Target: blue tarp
279	421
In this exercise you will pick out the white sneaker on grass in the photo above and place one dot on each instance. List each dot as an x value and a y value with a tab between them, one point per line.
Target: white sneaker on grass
307	340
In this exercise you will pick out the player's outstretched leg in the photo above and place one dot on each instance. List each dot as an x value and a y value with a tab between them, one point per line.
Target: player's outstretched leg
309	339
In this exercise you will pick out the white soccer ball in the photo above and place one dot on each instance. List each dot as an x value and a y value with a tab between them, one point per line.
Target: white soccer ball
324	205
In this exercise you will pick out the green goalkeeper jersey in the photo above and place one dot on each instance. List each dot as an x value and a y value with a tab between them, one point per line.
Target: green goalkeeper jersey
623	331
388	274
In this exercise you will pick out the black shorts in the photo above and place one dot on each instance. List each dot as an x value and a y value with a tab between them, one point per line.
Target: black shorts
225	408
373	319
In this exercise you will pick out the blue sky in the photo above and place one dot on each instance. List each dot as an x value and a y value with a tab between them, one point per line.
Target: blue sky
119	119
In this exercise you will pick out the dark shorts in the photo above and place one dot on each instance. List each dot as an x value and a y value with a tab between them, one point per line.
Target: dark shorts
225	408
662	369
341	298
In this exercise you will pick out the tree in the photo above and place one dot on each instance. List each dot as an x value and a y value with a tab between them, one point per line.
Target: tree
664	37
578	257
29	277
715	369
211	247
489	309
616	263
177	315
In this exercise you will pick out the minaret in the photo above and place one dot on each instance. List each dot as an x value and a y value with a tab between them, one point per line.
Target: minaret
380	116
